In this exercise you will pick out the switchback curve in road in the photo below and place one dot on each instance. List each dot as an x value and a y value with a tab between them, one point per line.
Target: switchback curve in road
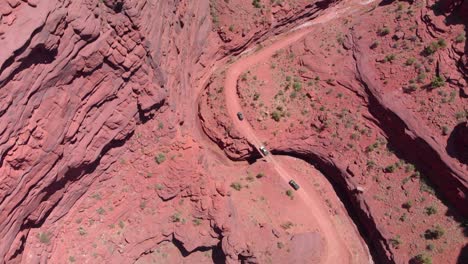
336	249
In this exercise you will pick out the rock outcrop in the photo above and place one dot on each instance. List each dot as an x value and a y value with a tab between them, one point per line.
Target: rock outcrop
76	78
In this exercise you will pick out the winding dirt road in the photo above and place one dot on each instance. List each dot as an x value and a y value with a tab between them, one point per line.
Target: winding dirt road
338	249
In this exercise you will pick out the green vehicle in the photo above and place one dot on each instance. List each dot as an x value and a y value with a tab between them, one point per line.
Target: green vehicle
294	185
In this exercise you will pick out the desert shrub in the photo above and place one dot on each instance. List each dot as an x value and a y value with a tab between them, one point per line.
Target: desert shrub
437	82
396	242
176	218
250	178
236	186
409	168
410	61
243	77
403	217
411	88
276	116
160	158
461	115
297	86
390	58
260	175
425	187
196	221
370	164
290	193
430	210
407	205
434	233
293	94
434	46
431	48
421	77
287	225
374	45
441	43
460	38
390	168
44	238
383	31
81	231
101	211
256	96
256	3
421	259
445	130
372	147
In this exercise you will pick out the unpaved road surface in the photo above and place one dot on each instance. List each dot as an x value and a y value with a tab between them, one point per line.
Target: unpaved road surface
338	249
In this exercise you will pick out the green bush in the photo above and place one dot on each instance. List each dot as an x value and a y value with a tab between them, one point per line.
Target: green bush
196	221
374	45
390	58
160	158
422	259
44	238
445	130
434	233
421	77
290	194
256	3
431	48
297	86
430	210
256	96
176	217
276	116
82	231
460	38
407	205
390	168
410	61
441	43
437	82
287	225
101	211
434	46
236	186
383	31
396	242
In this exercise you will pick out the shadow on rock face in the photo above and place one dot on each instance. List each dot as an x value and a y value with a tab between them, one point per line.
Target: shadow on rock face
457	144
463	257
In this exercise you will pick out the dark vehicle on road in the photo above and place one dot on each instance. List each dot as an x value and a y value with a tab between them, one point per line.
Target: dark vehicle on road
294	185
240	116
